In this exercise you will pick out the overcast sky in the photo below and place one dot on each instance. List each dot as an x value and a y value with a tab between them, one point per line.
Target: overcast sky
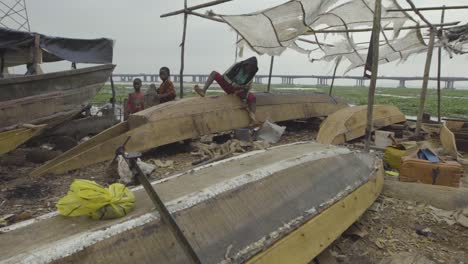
145	42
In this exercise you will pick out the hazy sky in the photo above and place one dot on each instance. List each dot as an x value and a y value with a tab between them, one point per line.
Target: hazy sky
146	42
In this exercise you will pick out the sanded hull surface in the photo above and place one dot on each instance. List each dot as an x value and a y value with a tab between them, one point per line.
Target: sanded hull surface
246	203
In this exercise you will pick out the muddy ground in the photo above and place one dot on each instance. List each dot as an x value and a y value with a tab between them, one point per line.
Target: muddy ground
388	228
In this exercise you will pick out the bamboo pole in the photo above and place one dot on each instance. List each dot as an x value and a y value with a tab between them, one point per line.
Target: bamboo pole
439	70
427	69
386	29
237	48
2	64
415	10
37	53
375	67
334	75
182	53
271	71
113	94
428	8
192	8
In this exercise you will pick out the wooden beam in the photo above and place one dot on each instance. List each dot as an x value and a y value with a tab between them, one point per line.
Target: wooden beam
334	75
370	29
427	69
439	69
415	10
271	71
375	68
428	8
192	8
113	94
182	54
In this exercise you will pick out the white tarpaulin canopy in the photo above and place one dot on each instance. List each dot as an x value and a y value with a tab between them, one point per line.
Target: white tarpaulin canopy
273	30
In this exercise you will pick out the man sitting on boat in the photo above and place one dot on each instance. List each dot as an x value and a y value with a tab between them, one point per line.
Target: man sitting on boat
236	80
136	100
166	91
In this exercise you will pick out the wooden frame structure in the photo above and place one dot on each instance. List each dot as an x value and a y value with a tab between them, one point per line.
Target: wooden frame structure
375	43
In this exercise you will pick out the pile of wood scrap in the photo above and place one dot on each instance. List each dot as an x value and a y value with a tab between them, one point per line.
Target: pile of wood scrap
212	152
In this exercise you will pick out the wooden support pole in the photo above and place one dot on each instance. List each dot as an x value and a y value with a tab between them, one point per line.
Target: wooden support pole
427	69
192	8
37	53
113	94
375	68
182	53
334	75
370	29
237	48
428	8
271	72
439	70
415	10
2	64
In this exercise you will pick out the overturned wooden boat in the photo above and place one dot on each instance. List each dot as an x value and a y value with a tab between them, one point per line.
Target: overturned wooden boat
189	118
350	123
285	204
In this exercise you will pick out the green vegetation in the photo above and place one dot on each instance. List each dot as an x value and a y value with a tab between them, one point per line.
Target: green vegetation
454	102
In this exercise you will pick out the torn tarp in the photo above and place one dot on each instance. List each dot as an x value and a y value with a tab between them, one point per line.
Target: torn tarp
16	47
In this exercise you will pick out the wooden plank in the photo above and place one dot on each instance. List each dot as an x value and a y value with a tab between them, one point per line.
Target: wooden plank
10	140
350	123
447	139
191	118
309	240
443	197
108	134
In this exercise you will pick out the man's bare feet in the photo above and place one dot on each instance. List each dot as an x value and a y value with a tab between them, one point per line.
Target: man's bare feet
199	90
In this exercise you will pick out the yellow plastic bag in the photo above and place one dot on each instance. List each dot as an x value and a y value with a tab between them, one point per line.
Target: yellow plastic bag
91	199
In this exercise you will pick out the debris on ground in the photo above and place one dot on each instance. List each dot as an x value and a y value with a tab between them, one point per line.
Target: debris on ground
270	132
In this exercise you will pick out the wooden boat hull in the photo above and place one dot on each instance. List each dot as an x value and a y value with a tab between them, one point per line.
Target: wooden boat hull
281	205
350	123
189	118
43	98
10	140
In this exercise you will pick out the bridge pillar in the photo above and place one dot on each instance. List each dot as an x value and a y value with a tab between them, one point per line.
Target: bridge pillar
194	79
360	82
144	78
402	84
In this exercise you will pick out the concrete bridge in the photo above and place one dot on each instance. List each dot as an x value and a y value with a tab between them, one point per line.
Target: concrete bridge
449	82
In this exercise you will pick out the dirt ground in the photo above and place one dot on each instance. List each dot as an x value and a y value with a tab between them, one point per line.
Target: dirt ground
389	227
